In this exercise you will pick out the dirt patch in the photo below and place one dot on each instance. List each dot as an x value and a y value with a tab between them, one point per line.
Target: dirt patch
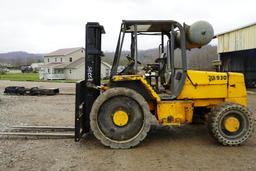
185	148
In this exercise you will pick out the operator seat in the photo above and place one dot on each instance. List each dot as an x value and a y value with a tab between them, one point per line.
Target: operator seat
161	61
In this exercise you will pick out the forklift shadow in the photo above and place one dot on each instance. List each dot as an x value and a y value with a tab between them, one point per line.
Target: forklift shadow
162	134
171	134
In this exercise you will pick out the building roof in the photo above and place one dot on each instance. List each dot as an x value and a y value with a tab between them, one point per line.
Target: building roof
106	64
242	38
235	29
76	63
63	52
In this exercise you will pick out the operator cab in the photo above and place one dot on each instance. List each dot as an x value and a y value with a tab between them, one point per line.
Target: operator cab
167	73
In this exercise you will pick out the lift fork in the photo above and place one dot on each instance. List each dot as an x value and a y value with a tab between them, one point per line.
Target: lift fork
39	131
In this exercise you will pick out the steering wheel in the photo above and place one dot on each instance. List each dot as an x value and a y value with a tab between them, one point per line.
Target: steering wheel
132	60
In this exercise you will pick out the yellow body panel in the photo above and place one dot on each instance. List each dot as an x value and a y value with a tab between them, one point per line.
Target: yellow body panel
140	78
175	112
211	88
236	89
204	85
241	101
207	102
201	89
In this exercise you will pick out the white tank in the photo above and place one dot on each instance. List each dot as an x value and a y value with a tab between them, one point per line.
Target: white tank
198	34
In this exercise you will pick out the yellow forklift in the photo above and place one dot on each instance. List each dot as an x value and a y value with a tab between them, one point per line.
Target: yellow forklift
120	112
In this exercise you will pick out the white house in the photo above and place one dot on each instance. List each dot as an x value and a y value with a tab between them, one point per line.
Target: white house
65	63
105	70
68	64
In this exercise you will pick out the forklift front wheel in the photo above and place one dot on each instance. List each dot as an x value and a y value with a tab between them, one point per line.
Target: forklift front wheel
120	118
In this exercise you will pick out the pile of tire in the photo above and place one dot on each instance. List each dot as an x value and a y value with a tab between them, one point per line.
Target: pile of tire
34	91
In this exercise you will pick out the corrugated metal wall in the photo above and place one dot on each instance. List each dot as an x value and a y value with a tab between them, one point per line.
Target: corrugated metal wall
237	40
241	61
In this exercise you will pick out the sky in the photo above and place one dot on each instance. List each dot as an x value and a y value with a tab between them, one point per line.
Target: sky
42	26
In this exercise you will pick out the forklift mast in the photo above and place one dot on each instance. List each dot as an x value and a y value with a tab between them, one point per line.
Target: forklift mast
86	90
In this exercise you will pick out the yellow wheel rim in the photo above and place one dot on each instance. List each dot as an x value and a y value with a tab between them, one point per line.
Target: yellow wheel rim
232	124
120	118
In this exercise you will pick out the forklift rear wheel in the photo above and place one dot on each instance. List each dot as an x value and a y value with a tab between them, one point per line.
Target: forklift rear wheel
231	124
120	118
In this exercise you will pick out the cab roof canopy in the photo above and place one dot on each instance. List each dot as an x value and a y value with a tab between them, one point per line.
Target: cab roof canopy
149	25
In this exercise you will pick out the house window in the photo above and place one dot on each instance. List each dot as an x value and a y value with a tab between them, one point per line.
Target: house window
70	71
70	59
48	59
49	71
55	59
59	71
107	72
60	59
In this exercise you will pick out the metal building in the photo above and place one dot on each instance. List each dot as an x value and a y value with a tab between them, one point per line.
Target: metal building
237	51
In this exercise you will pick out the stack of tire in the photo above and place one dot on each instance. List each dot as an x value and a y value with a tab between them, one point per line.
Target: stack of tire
34	91
16	90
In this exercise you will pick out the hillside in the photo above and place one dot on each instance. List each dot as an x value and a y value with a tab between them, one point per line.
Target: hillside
20	58
197	58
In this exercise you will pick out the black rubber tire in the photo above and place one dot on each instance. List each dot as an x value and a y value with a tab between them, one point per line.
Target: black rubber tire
216	121
114	141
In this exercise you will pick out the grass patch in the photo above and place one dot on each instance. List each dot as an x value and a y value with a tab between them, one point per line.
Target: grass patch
33	77
20	76
30	77
104	81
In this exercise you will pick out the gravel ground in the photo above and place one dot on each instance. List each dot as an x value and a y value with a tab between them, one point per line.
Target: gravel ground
184	148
